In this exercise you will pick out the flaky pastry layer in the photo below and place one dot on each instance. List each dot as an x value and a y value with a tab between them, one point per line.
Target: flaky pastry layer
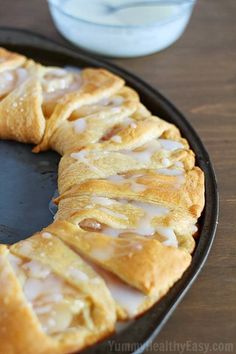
130	196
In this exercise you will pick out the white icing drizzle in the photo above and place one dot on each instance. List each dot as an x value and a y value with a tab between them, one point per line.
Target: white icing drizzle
34	287
36	269
133	125
26	247
114	213
127	297
6	82
11	79
47	235
78	274
194	229
165	161
169	234
115	109
169	172
102	254
179	164
116	139
15	261
53	300
109	231
22	75
57	72
117	100
145	226
102	200
82	156
58	81
134	185
43	310
106	202
114	249
170	145
80	125
53	297
145	153
128	121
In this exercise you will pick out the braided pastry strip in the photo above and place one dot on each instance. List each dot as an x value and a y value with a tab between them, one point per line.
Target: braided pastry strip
50	296
88	123
30	94
135	201
130	197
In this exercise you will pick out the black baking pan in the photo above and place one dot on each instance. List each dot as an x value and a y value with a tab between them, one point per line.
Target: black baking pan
27	183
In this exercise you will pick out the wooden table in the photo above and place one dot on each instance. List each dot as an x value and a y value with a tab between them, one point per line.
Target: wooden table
198	74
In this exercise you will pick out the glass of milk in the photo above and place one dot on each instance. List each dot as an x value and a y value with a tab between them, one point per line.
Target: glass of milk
121	28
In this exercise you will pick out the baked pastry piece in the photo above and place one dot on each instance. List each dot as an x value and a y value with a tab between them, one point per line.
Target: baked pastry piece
51	301
90	122
144	178
21	116
9	61
134	199
156	266
140	144
129	200
35	93
89	86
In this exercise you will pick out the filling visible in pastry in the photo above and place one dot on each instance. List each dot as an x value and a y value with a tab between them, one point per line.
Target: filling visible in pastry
112	134
147	151
10	79
56	82
156	155
163	234
138	182
57	305
80	123
112	102
129	298
145	227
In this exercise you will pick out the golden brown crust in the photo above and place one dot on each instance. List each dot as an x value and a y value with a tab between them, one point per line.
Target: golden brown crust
152	261
21	116
89	123
18	316
120	156
96	85
130	198
10	60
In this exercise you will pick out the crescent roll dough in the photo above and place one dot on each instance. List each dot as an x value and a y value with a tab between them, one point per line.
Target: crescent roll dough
140	146
50	290
36	93
156	266
89	123
92	86
130	195
10	60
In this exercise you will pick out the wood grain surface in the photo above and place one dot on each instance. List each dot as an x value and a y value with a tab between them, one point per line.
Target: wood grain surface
198	73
